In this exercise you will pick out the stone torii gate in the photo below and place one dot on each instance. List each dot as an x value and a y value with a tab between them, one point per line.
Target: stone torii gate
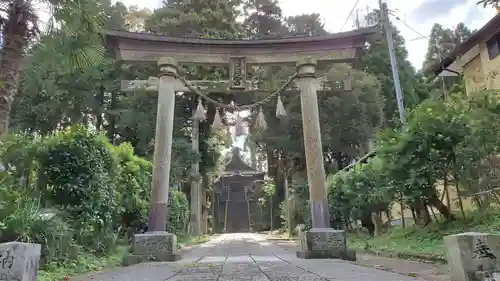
305	52
196	196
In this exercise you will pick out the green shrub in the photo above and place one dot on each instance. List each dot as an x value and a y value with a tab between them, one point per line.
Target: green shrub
27	221
133	184
178	212
18	152
79	166
299	206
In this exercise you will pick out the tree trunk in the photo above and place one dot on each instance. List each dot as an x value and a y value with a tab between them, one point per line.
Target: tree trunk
205	205
366	221
389	218
14	33
446	191
112	118
434	214
402	209
441	207
495	196
428	213
413	215
41	185
422	214
99	113
377	221
455	175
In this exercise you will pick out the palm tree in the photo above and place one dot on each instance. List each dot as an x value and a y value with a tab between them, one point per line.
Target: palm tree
78	24
493	3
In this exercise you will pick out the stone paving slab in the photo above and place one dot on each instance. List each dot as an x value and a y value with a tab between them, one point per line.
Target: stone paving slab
347	271
429	272
245	257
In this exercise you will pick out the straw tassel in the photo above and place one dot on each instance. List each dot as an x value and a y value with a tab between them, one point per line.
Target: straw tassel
280	109
199	114
239	129
217	124
260	121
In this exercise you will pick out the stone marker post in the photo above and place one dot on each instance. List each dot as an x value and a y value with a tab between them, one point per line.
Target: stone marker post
157	244
19	261
473	256
321	241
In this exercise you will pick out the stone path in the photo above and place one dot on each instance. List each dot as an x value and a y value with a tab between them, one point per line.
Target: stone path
245	257
427	271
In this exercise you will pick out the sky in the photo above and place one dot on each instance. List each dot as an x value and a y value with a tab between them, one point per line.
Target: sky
420	15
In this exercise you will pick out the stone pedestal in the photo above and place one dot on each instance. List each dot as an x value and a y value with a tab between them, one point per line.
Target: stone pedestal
473	256
153	246
19	261
325	243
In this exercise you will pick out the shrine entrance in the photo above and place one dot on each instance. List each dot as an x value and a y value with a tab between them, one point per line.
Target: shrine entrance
235	195
309	55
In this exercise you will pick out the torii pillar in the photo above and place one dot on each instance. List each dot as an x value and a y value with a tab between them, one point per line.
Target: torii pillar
157	244
321	241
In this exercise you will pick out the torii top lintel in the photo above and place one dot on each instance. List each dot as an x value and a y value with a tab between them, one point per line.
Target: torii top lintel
137	47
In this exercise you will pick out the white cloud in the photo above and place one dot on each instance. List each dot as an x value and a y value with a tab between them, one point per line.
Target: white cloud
334	14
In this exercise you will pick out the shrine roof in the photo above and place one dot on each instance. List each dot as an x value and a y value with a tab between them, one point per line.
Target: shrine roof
361	32
237	166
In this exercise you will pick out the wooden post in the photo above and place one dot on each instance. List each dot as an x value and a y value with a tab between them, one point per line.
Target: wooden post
225	209
248	210
163	145
271	211
316	176
287	206
196	212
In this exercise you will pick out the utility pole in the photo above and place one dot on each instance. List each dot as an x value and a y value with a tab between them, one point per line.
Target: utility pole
392	53
357	22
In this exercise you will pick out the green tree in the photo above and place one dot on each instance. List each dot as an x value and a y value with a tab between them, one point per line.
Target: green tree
81	23
263	19
442	41
194	18
304	25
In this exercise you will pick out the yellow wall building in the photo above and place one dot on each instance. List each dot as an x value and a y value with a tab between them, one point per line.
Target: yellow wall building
454	206
478	59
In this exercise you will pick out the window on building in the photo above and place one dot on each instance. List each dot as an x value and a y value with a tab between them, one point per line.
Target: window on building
493	46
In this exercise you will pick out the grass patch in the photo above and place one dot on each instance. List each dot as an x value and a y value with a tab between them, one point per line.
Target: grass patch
411	241
85	262
426	241
184	240
279	234
89	262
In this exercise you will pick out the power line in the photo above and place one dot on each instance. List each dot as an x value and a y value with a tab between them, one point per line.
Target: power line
407	25
350	14
418	38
